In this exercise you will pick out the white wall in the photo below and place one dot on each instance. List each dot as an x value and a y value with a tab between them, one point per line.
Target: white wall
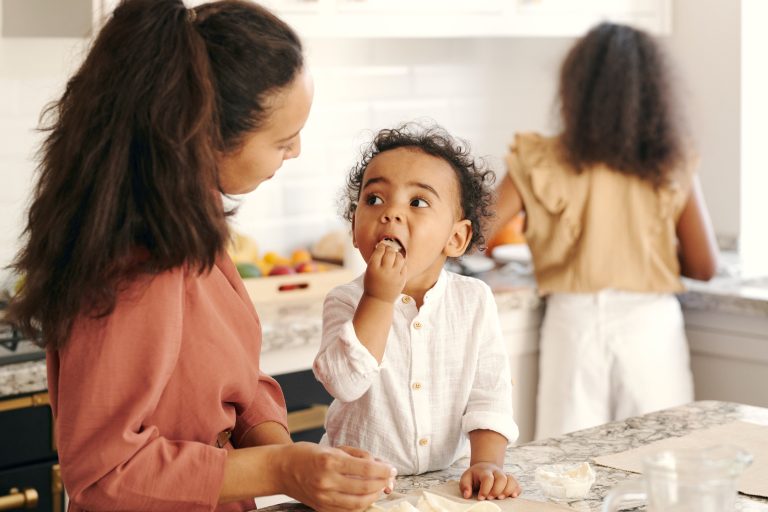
705	45
480	89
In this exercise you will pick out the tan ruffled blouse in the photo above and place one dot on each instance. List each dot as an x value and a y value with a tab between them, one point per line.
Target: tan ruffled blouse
598	229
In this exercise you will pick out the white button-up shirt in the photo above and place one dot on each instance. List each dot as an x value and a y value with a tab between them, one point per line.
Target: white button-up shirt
444	373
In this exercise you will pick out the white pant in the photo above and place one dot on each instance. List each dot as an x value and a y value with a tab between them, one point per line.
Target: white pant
607	356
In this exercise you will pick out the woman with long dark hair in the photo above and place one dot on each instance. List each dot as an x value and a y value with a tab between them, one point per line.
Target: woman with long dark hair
614	217
153	343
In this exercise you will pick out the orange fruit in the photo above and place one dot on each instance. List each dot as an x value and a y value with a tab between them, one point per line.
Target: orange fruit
510	233
300	256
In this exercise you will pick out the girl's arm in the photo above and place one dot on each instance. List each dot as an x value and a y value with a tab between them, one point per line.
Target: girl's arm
508	203
697	247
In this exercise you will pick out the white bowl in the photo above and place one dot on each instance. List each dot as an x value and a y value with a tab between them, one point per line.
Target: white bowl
565	481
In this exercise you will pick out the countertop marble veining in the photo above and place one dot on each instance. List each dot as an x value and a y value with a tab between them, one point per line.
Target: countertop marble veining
583	445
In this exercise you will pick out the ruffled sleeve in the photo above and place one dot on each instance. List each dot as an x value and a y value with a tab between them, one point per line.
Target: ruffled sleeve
553	197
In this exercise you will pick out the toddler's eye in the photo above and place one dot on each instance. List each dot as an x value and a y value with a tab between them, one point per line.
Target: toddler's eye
419	203
372	200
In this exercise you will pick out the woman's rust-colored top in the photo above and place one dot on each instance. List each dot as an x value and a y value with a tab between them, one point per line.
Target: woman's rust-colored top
141	395
597	229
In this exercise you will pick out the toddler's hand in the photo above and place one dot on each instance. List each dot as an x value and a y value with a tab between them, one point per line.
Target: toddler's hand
385	275
490	482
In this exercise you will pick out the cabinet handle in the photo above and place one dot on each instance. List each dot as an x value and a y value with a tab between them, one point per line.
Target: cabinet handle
57	488
19	499
35	400
307	419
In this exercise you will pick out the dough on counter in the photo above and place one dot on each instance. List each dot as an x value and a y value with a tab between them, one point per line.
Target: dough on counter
429	502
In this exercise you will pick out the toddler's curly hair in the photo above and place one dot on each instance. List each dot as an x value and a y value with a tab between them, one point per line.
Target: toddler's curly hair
473	175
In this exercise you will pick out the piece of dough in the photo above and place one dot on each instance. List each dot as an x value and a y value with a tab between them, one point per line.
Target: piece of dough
429	502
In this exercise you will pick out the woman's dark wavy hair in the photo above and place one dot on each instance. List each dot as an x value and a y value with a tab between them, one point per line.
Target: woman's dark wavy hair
129	165
473	177
618	105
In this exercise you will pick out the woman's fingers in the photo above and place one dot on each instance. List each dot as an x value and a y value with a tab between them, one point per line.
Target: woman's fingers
357	452
334	501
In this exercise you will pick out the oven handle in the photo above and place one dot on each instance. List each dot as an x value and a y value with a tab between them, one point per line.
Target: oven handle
16	499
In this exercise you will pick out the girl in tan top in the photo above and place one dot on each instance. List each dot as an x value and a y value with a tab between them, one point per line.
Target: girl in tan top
153	344
614	216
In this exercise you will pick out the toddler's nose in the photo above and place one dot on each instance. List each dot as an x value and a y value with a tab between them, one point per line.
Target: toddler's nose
391	216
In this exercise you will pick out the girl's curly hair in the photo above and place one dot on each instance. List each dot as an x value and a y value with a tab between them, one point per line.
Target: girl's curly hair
473	176
619	105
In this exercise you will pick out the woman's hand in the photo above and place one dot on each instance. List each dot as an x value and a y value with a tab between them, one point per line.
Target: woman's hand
385	275
333	478
490	482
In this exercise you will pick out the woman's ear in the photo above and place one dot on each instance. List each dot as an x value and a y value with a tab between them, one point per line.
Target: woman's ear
459	239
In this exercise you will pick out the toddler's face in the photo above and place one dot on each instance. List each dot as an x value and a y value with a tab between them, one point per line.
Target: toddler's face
413	198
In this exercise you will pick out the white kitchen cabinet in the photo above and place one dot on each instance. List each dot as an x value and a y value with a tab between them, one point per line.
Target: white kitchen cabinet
520	328
455	18
729	356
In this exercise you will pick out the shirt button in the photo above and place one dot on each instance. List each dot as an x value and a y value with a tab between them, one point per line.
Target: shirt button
423	441
417	325
406	299
416	386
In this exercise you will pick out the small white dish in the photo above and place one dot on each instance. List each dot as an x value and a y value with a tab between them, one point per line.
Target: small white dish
511	252
561	482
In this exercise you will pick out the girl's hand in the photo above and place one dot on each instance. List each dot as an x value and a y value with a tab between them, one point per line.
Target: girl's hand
385	276
490	482
328	479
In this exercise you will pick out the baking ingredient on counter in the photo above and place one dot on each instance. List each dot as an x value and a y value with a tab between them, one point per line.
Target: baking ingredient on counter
565	481
429	502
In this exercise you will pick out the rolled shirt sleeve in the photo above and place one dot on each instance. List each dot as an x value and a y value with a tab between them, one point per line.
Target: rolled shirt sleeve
490	399
343	365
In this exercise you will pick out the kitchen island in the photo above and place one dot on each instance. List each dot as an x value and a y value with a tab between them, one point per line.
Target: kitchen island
606	439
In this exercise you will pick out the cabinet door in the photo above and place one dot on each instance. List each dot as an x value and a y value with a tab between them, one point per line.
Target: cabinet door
307	402
42	483
26	430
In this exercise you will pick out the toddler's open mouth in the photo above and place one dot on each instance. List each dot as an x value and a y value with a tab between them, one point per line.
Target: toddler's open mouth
394	243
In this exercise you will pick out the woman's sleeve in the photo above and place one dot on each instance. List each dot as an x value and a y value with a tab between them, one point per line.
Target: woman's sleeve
490	399
268	405
343	365
110	377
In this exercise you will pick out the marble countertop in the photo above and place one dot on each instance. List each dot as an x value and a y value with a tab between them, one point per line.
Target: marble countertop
583	445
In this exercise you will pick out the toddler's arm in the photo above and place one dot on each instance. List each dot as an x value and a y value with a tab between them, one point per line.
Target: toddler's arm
343	365
384	280
486	468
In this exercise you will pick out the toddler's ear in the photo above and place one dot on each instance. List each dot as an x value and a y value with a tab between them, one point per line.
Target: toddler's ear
354	242
459	239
